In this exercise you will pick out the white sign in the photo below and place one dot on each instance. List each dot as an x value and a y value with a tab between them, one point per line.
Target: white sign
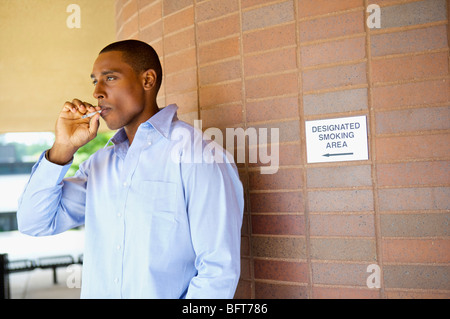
337	140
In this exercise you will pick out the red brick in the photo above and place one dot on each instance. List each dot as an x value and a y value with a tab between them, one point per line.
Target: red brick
416	276
215	8
427	198
186	101
344	293
179	41
410	67
283	179
412	147
411	294
309	8
266	39
217	29
144	3
288	130
415	173
417	40
180	82
341	200
273	85
332	27
279	247
289	155
246	268
251	3
414	224
179	20
222	116
281	270
342	225
333	52
220	94
276	202
337	273
278	224
280	291
344	176
274	61
271	109
218	50
245	246
220	72
267	16
243	290
416	250
345	100
186	59
149	15
339	76
171	6
411	94
151	33
352	249
410	120
129	9
129	29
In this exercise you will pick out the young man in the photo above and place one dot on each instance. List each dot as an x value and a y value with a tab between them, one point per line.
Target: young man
155	226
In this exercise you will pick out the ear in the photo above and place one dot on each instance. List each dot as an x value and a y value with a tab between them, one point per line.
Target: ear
149	79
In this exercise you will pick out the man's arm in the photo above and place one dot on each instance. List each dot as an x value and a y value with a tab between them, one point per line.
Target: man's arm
215	205
48	205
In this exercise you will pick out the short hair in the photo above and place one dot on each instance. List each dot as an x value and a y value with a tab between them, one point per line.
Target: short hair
139	55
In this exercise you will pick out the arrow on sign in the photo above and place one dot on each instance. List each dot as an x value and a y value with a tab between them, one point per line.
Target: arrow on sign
337	154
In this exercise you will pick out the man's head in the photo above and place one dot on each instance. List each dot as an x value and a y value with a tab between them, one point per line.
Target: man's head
127	76
139	55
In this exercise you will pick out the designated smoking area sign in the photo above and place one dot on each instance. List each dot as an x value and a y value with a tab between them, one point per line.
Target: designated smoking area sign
337	140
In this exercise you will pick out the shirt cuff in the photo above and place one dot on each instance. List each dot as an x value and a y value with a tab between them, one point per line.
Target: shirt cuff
49	172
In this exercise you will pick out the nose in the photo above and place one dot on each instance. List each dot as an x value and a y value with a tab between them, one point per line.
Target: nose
99	92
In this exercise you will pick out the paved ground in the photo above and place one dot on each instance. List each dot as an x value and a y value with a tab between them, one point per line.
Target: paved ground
38	284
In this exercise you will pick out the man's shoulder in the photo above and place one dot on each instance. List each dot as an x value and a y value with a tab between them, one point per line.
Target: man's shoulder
198	146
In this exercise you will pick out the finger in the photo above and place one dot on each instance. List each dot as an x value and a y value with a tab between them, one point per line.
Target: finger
90	108
69	107
79	105
94	125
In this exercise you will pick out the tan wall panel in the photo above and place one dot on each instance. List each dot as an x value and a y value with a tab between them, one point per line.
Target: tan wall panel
43	62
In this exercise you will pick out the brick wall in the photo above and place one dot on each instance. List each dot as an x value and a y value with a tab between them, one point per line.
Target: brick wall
312	230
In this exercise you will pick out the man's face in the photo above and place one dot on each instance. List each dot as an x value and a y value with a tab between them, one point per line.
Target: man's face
118	89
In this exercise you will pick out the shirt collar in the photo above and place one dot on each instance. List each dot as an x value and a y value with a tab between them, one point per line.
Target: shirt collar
161	122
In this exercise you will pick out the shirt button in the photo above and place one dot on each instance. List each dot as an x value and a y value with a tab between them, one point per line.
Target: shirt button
116	281
118	247
119	214
125	184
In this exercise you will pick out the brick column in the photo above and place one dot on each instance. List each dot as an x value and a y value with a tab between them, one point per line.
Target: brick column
312	230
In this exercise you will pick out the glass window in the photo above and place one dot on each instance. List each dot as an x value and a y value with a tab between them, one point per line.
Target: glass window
18	153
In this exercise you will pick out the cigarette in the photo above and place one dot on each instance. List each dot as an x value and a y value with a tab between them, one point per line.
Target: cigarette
90	114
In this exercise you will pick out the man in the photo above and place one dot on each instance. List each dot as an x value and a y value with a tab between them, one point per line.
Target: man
155	226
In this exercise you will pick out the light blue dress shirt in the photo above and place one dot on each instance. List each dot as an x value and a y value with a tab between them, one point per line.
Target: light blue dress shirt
157	224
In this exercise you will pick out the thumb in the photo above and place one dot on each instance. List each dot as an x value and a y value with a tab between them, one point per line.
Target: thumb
94	125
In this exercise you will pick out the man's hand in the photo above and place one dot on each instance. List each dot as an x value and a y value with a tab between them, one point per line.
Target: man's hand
72	131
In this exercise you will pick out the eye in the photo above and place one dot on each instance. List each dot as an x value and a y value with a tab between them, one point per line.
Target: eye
110	78
94	82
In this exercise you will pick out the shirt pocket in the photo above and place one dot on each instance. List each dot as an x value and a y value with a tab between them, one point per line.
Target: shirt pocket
159	198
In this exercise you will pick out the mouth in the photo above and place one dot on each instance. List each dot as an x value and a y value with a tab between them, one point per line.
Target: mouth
105	111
